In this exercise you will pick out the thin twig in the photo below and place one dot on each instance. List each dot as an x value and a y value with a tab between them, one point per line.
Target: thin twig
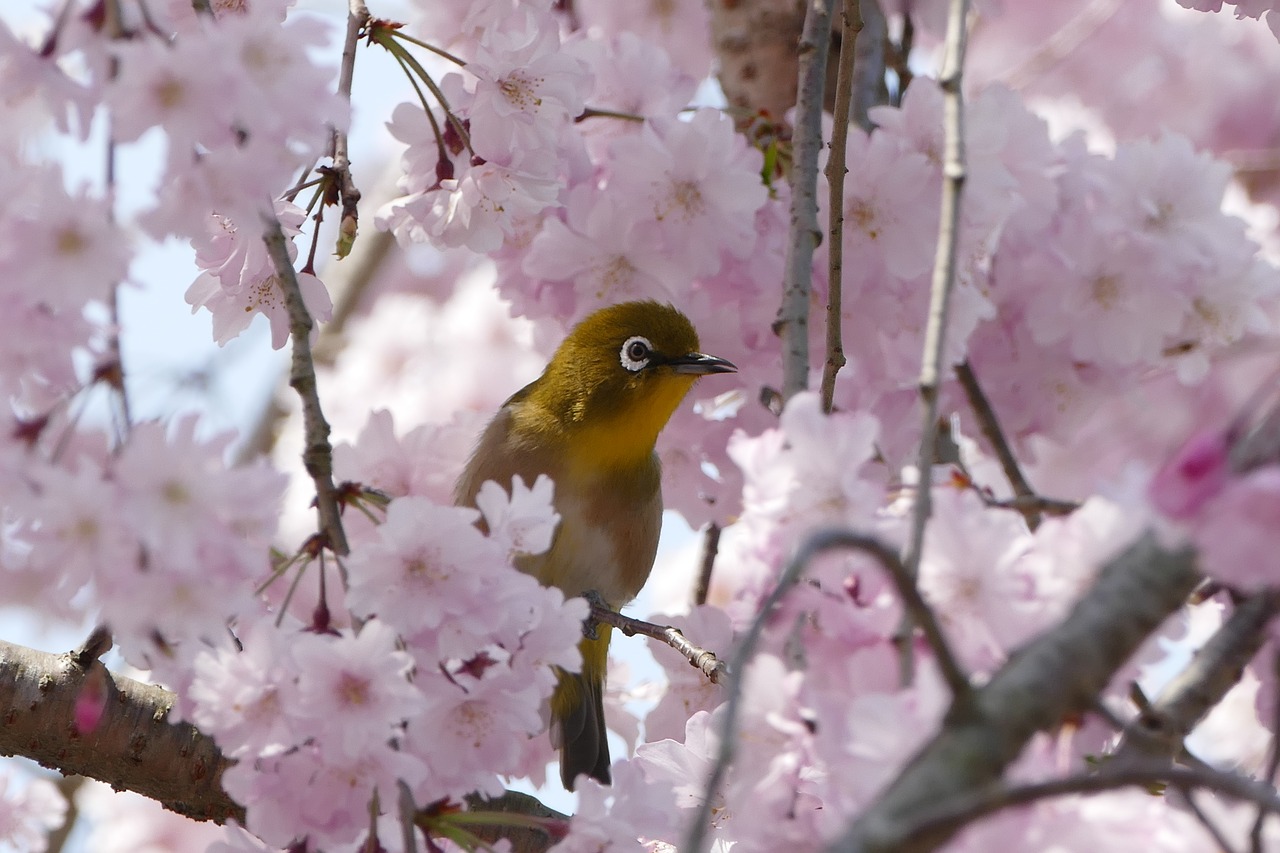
1158	731
97	644
347	282
815	544
592	112
962	810
385	37
1273	764
850	28
1209	826
920	611
438	51
792	323
304	180
357	18
317	454
808	549
112	371
68	786
710	548
1028	505
699	658
944	273
990	426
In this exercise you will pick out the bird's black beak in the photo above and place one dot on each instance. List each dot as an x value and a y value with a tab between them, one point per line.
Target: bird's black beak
700	364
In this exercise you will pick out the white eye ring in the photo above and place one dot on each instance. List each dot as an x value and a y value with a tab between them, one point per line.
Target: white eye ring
635	353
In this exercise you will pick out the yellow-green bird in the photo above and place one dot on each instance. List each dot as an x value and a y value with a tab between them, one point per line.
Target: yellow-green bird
590	423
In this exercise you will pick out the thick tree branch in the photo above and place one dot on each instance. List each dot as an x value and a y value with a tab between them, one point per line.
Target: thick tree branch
1054	677
134	747
755	42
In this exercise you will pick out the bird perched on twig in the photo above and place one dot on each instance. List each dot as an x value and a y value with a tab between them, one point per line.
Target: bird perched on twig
590	423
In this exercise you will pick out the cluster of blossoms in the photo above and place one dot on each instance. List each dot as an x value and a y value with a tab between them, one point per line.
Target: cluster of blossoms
165	520
1101	282
439	688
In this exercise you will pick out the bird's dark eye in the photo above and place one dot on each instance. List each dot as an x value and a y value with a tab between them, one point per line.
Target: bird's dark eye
635	353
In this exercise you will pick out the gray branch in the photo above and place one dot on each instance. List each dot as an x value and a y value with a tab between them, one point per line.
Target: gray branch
1157	733
1056	676
805	232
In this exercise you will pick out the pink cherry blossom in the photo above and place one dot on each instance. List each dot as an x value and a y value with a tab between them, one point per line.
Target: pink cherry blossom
635	77
1233	530
698	181
29	812
526	88
522	519
240	279
478	209
79	530
885	193
247	697
606	821
473	729
1197	474
425	560
682	27
607	254
302	792
65	248
185	91
971	573
354	690
425	461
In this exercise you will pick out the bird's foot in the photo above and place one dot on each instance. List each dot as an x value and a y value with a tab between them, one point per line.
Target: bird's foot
591	623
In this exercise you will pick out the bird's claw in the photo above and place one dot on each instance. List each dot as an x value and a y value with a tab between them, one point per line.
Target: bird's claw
591	623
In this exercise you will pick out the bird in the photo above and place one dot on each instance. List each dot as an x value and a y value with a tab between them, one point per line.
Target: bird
590	422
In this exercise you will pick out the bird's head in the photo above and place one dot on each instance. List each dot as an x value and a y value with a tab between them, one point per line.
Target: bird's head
620	374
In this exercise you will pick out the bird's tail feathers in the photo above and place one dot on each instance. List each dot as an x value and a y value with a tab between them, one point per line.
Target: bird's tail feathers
577	715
